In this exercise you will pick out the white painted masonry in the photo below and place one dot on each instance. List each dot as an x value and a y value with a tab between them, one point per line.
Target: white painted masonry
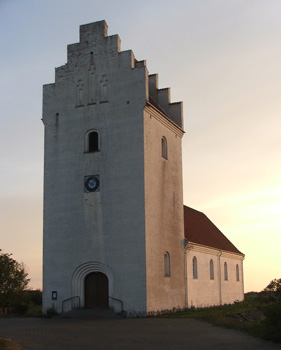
117	208
102	227
204	291
164	212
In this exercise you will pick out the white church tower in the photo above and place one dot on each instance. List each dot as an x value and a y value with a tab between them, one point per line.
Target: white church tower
113	202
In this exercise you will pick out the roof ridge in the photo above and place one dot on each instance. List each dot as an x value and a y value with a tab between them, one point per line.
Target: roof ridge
198	211
200	229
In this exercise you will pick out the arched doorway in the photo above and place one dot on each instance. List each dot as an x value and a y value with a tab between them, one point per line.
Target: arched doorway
96	290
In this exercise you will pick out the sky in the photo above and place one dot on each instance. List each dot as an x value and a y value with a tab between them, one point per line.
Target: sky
221	58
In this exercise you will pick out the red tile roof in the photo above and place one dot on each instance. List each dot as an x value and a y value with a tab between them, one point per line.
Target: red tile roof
199	229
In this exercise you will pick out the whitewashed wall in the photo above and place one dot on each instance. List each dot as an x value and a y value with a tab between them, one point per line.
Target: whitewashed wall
203	291
164	212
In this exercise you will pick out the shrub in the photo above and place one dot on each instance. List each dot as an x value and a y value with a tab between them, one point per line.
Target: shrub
51	312
272	322
13	280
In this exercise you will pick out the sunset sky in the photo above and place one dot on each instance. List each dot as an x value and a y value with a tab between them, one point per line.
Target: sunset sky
221	58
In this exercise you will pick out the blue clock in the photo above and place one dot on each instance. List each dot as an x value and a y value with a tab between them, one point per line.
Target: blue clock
91	183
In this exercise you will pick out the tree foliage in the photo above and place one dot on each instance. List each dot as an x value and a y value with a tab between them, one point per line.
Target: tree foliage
273	290
274	286
13	280
273	310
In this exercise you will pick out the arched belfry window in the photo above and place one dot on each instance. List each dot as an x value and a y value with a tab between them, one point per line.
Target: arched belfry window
164	147
92	141
194	265
225	272
212	275
237	273
167	271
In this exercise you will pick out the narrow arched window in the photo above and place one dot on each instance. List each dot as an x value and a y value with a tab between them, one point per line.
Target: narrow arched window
164	147
194	265
92	142
237	273
212	275
167	272
225	272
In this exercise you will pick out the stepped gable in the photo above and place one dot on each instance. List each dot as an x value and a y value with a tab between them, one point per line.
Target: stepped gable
161	99
95	43
89	53
198	228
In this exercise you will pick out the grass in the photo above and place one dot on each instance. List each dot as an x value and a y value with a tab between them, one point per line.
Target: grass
253	316
8	344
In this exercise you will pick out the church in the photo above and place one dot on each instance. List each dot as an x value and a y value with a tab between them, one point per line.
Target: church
116	232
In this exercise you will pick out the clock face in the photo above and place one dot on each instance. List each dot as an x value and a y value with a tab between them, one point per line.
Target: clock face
92	183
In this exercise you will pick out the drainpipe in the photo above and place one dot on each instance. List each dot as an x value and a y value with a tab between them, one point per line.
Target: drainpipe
184	244
220	293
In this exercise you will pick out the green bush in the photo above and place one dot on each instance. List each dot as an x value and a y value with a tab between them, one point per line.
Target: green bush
51	312
21	309
33	297
272	322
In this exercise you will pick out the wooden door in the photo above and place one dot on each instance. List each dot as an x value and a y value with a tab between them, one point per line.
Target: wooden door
96	290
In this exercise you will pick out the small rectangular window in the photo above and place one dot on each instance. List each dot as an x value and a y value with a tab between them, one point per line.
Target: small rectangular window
194	265
237	273
167	272
212	270
93	142
164	147
225	272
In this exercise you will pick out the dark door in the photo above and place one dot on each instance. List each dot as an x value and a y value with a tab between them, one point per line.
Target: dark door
96	290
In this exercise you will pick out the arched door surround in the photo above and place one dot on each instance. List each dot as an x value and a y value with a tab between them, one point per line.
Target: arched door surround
79	278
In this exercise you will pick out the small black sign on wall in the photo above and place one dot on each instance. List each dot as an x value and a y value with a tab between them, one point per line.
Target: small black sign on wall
54	295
